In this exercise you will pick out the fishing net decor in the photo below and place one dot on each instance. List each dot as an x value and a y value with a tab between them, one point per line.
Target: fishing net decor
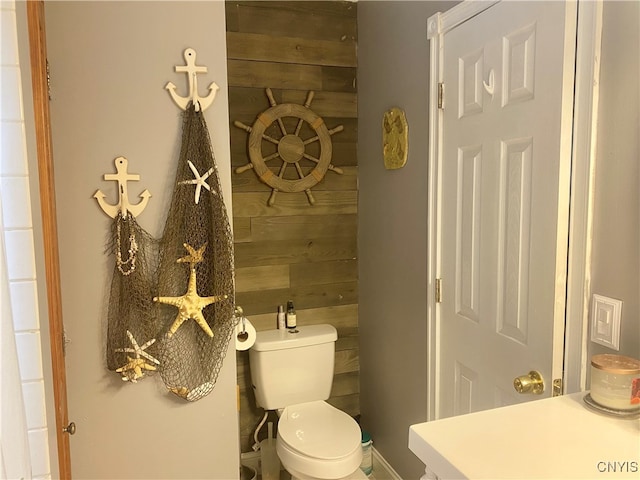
171	302
131	323
195	299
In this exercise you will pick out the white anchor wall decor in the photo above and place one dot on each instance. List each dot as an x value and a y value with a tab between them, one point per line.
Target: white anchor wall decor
130	312
123	205
191	69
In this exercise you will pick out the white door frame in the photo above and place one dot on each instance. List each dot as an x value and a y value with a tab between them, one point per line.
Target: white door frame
589	31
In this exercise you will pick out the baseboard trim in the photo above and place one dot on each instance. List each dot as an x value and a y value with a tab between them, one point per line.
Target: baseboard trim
379	463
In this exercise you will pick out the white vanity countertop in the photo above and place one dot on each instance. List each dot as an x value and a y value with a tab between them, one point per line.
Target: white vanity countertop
557	438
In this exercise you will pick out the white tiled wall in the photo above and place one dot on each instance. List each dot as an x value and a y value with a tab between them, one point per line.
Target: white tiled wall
18	233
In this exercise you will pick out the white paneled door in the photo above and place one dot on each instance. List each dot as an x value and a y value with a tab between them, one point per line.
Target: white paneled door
503	202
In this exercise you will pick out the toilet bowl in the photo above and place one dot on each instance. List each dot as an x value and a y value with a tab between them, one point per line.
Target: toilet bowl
318	441
292	373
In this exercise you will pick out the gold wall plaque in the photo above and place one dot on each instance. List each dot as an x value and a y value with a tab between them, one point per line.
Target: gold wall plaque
395	138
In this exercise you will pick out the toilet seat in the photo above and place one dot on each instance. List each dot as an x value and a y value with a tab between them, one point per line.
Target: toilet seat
318	440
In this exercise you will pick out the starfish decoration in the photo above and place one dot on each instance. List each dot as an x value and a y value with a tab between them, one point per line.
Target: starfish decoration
180	391
190	304
133	369
199	181
195	256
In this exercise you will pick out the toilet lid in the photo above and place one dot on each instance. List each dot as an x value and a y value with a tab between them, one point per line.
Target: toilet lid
319	430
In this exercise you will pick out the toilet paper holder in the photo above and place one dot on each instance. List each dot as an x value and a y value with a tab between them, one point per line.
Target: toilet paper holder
243	335
239	312
245	332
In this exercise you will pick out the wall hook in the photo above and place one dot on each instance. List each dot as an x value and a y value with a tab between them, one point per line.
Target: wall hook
123	205
191	69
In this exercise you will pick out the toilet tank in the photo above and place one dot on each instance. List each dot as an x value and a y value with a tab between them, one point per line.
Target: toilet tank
291	368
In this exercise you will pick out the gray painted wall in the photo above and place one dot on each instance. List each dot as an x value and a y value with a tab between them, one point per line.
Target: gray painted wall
393	70
616	240
393	57
109	64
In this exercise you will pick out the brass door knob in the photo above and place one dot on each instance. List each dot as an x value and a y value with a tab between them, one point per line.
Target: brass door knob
531	383
70	429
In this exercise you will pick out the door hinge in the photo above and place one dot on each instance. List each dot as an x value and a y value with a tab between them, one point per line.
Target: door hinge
438	293
557	387
440	95
65	341
48	81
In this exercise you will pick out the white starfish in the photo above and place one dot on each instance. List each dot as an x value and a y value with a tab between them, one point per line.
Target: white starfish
132	370
199	181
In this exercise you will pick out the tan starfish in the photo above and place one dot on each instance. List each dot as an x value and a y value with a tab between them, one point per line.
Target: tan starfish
180	391
132	370
190	305
195	256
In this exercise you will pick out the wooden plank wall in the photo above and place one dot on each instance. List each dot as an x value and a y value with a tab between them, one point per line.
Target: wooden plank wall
292	250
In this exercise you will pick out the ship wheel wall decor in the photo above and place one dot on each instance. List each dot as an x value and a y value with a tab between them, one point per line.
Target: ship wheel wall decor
290	147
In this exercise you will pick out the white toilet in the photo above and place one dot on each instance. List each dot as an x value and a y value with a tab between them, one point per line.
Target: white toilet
292	373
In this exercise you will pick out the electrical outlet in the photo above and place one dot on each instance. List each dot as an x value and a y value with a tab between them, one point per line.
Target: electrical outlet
605	321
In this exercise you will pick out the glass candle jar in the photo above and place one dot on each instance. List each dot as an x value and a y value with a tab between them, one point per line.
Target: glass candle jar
615	381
